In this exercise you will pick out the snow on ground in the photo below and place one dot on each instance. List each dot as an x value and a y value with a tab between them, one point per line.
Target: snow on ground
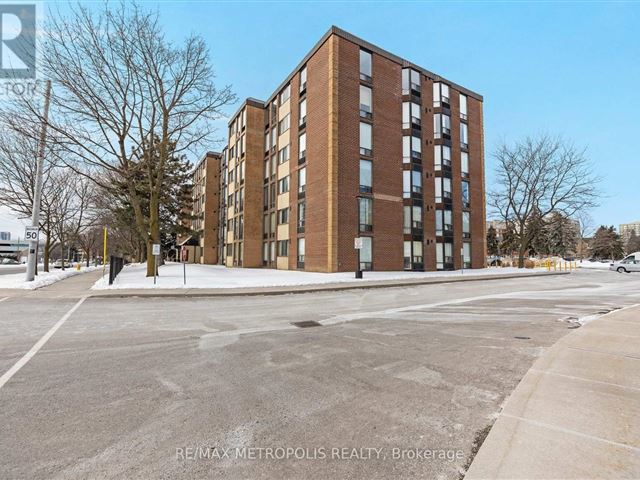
216	276
594	265
43	279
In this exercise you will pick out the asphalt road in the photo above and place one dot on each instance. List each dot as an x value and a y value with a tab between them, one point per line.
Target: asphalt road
168	388
11	269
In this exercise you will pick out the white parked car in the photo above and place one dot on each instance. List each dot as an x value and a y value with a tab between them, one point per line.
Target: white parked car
630	263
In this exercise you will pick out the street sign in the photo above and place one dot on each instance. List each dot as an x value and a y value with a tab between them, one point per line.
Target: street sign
185	255
358	243
31	234
156	249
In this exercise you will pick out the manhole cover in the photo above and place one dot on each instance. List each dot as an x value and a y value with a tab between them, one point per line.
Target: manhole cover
523	338
306	324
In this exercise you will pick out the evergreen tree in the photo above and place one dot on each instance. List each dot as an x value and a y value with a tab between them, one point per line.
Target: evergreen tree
509	240
606	244
536	231
562	235
633	244
493	245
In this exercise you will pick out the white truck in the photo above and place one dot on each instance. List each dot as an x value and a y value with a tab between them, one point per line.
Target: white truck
630	263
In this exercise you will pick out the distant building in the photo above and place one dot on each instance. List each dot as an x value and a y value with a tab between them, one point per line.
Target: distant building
5	236
12	248
203	218
627	228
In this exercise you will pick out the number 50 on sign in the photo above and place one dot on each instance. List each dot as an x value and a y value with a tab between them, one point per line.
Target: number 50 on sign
31	234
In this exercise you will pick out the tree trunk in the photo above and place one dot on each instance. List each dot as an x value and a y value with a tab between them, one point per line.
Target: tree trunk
47	252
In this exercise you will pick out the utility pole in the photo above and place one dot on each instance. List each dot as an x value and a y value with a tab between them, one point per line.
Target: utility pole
35	212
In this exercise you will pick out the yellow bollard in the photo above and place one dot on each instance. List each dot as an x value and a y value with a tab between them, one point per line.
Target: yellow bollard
78	266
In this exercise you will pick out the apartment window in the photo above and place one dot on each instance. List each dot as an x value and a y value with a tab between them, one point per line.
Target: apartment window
366	142
464	139
366	185
272	221
466	224
444	255
366	254
274	138
266	141
283	248
464	164
411	117
301	248
411	149
412	219
466	254
443	188
302	179
274	170
365	65
365	214
303	79
283	185
442	156
413	257
406	183
441	125
302	147
283	216
265	226
303	113
272	250
285	94
301	216
366	102
440	94
265	253
463	106
284	124
283	154
410	82
416	182
466	202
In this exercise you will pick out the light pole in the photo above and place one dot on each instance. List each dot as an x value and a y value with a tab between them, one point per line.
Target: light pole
35	211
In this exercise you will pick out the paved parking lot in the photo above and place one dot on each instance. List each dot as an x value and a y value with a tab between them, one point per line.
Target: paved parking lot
166	388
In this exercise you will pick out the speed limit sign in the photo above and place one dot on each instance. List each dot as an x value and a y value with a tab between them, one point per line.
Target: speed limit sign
31	234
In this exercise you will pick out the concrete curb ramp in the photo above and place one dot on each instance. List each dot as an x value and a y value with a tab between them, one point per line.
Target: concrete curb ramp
576	413
327	287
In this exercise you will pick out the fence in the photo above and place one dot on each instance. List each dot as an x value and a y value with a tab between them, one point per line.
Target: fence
115	266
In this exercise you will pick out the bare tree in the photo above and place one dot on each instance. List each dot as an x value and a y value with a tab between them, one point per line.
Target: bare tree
72	209
540	176
18	149
585	229
123	94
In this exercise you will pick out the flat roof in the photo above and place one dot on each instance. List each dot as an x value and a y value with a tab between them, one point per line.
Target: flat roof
366	45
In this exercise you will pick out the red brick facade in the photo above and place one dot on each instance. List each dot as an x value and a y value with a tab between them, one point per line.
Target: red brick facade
332	163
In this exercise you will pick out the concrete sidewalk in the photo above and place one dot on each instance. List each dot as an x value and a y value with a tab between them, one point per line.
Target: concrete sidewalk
576	413
322	287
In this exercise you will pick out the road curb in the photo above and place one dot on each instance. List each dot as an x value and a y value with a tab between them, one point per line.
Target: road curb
331	287
566	417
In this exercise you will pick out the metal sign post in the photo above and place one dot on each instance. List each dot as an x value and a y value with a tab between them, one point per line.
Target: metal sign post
156	256
184	256
462	259
358	244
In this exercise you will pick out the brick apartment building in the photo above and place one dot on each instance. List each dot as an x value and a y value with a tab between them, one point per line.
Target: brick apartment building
203	218
356	142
